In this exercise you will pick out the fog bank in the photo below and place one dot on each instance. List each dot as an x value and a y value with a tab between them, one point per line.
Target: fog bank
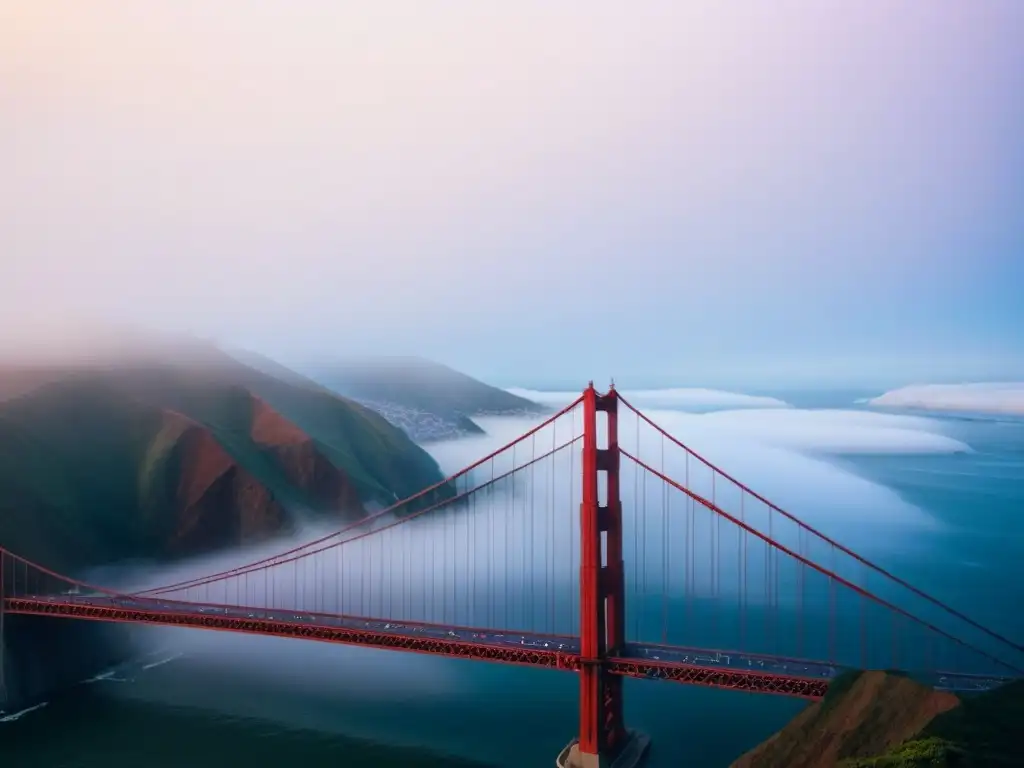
684	398
1002	398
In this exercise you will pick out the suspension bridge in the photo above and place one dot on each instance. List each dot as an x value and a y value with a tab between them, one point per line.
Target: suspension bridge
596	543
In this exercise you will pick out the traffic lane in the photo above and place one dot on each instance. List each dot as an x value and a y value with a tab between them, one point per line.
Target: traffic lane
699	657
562	644
695	657
702	658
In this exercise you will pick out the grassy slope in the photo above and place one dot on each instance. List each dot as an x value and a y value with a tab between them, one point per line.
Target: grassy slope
381	459
985	730
423	384
863	714
87	464
218	403
69	458
876	720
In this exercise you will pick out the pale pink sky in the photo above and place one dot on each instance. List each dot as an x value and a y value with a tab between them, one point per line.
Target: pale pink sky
490	182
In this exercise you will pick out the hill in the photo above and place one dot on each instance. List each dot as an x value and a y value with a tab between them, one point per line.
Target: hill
884	720
984	731
429	401
184	450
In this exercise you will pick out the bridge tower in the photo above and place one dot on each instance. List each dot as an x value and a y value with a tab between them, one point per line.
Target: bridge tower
603	740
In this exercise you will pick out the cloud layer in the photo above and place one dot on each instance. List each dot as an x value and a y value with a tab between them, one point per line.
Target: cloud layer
977	398
511	560
821	431
688	398
738	419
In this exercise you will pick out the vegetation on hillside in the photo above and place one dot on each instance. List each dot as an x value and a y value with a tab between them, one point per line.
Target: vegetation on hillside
985	731
885	720
183	452
863	714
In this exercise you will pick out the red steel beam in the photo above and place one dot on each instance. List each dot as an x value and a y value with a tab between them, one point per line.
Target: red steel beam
721	677
716	677
369	638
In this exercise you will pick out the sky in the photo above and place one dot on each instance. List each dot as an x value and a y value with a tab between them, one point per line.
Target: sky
714	193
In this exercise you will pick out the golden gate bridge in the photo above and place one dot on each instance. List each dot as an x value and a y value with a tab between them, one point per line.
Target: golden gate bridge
596	543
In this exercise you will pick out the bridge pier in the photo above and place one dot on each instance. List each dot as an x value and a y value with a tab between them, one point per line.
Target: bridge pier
603	741
632	754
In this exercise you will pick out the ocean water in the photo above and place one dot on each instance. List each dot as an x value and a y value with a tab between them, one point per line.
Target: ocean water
949	522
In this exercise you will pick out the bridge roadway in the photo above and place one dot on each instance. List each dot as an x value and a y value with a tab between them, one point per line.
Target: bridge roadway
695	666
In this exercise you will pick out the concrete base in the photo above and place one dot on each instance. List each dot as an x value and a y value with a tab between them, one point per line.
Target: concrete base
631	756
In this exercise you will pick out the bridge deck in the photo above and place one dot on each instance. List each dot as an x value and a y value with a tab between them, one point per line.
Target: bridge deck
693	666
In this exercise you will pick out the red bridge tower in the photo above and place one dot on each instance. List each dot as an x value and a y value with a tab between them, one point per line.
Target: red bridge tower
603	740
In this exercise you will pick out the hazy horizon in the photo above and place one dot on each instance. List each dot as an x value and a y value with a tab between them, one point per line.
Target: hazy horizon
819	193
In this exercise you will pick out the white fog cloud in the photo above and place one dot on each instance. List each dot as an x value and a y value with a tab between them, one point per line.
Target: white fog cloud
513	532
682	398
825	431
772	422
467	565
1007	398
781	454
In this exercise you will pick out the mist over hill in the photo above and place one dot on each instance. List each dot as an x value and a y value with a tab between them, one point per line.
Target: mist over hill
428	400
167	449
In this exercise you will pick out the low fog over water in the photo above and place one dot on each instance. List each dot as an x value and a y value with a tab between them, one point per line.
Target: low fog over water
479	564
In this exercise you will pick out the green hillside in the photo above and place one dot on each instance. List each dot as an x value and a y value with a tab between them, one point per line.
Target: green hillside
887	720
61	491
985	731
103	464
379	457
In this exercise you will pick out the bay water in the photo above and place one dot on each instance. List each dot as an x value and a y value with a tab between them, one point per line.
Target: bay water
199	699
